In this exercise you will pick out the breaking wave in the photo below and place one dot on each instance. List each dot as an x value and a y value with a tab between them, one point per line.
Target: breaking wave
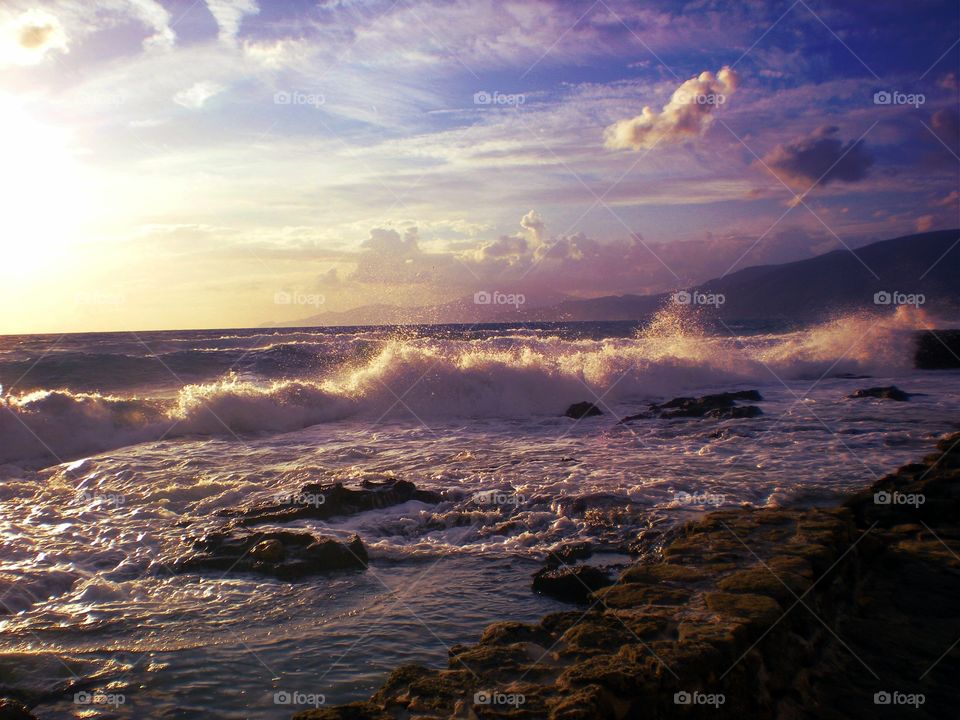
502	375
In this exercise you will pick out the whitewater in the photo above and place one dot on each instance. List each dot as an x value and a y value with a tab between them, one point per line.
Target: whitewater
115	449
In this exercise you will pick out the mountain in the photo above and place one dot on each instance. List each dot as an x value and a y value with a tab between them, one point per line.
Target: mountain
901	270
927	264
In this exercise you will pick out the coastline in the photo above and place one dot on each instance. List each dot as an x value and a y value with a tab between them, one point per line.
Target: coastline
748	613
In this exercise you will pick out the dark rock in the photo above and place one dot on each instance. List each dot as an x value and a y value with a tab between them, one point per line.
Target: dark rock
568	554
938	350
888	392
322	501
719	405
14	710
572	584
285	554
734	413
582	410
353	711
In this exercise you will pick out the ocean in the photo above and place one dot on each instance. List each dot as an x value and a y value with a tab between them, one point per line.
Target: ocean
117	448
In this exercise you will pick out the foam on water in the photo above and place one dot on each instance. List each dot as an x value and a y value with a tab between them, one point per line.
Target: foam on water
507	376
86	545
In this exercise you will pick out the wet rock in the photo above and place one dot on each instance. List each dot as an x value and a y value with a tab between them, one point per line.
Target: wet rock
568	554
14	710
734	413
888	392
720	405
353	711
713	612
582	410
572	584
322	501
284	554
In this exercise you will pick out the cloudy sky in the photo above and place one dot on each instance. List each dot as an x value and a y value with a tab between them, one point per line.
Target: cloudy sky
172	164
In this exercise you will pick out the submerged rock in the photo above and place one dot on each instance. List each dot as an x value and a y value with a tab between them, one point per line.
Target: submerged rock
739	606
568	554
737	412
722	406
285	554
14	710
573	584
321	501
887	392
582	410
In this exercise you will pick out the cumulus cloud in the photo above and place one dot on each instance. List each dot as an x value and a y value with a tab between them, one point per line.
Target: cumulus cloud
29	37
155	16
686	116
197	95
820	156
229	14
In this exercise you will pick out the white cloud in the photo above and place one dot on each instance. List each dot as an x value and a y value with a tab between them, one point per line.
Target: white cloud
197	95
685	117
229	15
155	16
26	39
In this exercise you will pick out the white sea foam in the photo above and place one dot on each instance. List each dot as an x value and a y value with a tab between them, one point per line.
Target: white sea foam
507	376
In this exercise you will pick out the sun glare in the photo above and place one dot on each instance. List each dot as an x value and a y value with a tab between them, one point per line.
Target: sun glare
43	192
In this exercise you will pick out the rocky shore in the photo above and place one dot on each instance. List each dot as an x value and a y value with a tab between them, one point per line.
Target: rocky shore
848	612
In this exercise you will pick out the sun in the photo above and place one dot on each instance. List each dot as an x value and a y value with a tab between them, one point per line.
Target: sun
43	189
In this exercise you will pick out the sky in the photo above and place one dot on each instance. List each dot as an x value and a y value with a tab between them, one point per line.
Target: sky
224	163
